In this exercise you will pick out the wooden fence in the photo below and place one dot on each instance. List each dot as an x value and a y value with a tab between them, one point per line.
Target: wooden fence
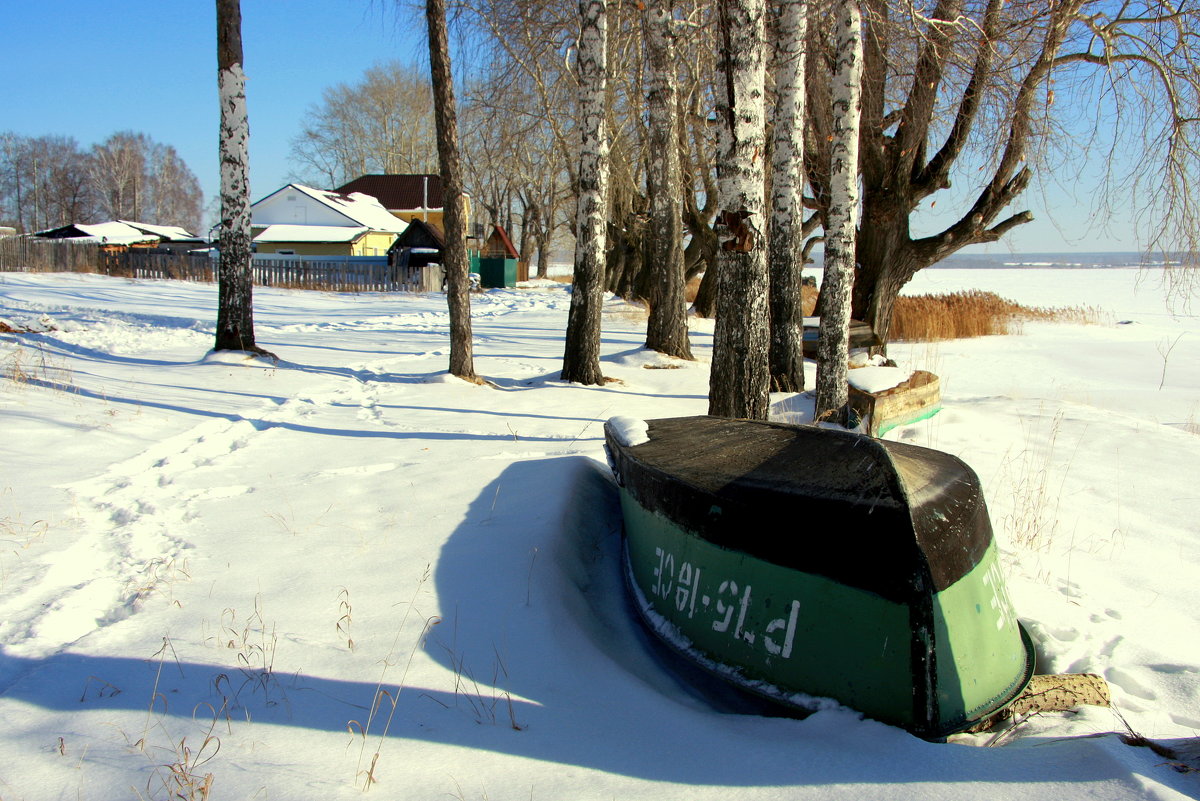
140	264
26	254
346	275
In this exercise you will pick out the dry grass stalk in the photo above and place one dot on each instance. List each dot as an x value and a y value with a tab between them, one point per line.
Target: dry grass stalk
34	367
973	313
363	729
343	622
1192	424
1032	523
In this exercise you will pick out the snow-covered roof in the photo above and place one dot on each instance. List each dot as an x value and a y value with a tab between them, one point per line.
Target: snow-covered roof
108	233
120	232
169	233
310	233
358	209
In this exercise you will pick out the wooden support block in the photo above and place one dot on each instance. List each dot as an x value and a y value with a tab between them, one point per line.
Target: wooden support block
1057	692
918	397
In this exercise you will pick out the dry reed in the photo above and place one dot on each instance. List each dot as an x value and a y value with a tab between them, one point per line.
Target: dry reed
808	299
973	313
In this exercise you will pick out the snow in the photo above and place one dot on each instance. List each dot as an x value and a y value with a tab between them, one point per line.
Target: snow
170	233
629	431
248	565
325	209
362	209
113	233
877	378
290	232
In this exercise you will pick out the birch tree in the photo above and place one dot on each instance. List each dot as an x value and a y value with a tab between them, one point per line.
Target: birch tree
739	379
581	360
454	219
235	312
833	350
530	80
173	195
667	328
384	123
118	171
786	256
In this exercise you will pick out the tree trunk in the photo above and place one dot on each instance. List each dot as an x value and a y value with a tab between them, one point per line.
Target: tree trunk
833	351
786	260
543	253
739	382
667	327
627	273
545	233
886	262
581	359
705	304
235	308
454	219
525	241
703	249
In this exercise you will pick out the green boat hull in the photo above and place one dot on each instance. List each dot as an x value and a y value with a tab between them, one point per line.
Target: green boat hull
933	653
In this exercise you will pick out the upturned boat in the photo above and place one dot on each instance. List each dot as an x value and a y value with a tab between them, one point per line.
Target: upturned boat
804	563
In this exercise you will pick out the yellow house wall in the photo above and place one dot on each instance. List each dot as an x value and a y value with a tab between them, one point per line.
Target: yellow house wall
374	243
308	248
432	217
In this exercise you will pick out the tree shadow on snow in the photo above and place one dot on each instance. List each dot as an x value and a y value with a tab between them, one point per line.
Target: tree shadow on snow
263	424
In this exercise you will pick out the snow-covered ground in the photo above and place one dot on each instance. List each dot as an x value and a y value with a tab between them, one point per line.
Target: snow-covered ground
350	565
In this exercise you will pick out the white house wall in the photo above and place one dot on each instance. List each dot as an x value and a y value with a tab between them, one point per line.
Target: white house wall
290	206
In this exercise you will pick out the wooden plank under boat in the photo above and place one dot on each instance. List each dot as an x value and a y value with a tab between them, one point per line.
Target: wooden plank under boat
803	562
861	336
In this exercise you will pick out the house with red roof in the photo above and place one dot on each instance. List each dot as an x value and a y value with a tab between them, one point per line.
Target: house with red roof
409	197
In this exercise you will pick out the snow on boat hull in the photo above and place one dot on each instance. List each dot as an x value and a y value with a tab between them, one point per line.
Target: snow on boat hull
798	560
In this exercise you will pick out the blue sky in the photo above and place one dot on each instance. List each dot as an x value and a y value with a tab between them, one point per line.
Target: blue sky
88	70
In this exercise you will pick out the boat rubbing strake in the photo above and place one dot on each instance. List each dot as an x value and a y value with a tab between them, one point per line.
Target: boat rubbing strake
812	561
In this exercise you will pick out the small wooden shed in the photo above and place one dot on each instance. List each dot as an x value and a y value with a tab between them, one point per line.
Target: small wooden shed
421	243
499	261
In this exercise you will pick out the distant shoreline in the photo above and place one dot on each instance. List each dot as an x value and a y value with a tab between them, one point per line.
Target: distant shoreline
1037	261
1002	261
1046	261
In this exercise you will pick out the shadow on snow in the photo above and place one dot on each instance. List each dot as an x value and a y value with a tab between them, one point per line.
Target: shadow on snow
544	660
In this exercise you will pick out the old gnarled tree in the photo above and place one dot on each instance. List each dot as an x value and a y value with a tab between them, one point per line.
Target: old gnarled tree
967	91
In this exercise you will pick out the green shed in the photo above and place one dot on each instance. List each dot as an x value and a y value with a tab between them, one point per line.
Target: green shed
498	260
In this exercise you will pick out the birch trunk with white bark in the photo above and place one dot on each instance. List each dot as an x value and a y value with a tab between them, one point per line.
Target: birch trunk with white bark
786	259
235	309
581	359
739	381
667	328
833	351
